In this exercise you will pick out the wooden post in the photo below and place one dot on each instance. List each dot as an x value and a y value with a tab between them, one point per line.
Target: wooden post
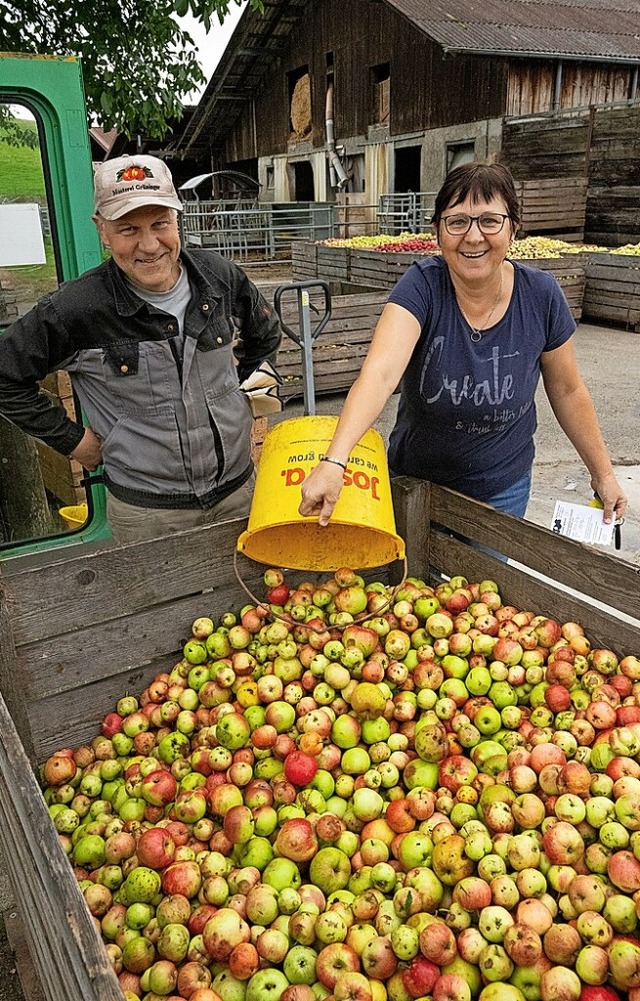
412	505
24	512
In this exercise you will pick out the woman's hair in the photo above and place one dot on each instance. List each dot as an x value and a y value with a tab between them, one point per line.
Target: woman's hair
482	182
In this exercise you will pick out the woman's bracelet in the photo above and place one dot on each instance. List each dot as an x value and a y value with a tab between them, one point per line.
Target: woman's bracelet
337	462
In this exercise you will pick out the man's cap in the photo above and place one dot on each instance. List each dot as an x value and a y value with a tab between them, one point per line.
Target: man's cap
128	182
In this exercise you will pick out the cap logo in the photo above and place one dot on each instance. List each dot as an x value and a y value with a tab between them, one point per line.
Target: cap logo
134	174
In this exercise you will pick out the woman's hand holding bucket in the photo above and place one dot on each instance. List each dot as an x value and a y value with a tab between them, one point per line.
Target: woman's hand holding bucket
320	491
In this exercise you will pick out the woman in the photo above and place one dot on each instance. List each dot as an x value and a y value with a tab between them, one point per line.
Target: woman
468	334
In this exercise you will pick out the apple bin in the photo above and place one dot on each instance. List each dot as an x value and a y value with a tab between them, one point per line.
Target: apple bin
82	633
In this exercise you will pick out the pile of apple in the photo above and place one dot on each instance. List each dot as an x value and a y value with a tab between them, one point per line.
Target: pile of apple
386	243
530	248
358	793
628	250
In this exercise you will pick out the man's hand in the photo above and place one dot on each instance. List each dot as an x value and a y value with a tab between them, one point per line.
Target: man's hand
89	451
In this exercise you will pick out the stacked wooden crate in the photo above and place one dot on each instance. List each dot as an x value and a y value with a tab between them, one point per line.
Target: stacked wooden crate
61	475
339	350
555	206
612	292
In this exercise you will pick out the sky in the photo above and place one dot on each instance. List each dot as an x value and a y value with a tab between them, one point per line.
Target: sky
211	46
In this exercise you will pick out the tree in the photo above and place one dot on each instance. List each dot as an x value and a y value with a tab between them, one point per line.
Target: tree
137	62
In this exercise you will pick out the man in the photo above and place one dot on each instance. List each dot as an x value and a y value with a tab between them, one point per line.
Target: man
157	340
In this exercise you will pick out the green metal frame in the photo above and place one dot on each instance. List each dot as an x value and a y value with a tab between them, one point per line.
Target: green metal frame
51	88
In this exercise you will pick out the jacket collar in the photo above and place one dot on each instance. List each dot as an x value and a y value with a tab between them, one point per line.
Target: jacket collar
207	287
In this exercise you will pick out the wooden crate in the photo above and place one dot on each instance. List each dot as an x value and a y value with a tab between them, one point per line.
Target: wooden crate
376	268
612	292
339	350
304	260
259	430
81	632
379	270
570	273
555	206
61	475
333	263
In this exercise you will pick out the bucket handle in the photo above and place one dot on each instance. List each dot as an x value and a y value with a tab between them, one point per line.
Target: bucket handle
359	618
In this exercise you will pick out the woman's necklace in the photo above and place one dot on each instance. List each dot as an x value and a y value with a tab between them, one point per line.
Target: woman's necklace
476	332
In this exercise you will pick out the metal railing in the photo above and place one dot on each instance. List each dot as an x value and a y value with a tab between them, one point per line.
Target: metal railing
242	231
248	230
406	212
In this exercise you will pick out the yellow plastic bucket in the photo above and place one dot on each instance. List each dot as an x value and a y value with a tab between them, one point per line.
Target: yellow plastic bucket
75	516
362	531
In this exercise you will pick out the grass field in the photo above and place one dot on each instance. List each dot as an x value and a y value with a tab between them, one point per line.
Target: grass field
22	179
21	174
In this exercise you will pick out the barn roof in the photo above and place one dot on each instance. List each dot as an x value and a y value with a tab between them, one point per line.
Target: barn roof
600	30
571	29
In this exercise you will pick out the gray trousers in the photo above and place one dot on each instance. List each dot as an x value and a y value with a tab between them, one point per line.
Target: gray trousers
135	524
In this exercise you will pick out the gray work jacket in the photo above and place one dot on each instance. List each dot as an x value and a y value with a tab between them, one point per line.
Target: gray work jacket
175	426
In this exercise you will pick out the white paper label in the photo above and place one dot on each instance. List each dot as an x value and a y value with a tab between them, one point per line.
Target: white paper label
582	523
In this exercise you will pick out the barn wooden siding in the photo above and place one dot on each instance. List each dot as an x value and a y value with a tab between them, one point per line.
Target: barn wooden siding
427	90
531	85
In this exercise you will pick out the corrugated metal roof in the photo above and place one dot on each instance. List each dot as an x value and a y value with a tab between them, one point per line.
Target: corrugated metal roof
578	29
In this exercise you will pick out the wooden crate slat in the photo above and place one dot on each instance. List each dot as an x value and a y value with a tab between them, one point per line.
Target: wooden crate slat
56	665
83	718
566	561
351	356
74	965
531	594
71	592
551	183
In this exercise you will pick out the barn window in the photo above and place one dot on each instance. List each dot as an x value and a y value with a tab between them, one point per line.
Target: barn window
301	181
459	153
300	120
408	161
381	87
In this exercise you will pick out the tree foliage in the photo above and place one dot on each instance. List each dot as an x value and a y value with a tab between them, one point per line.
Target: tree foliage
138	62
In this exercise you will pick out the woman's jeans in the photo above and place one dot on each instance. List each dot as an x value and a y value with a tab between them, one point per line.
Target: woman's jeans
514	499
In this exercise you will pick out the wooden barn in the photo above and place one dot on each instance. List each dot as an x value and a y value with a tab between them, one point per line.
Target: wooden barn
318	98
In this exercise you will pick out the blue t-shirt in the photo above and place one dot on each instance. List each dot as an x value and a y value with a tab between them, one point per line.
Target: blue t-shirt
467	415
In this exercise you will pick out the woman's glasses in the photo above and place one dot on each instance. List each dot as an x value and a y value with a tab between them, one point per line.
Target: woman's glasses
489	223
